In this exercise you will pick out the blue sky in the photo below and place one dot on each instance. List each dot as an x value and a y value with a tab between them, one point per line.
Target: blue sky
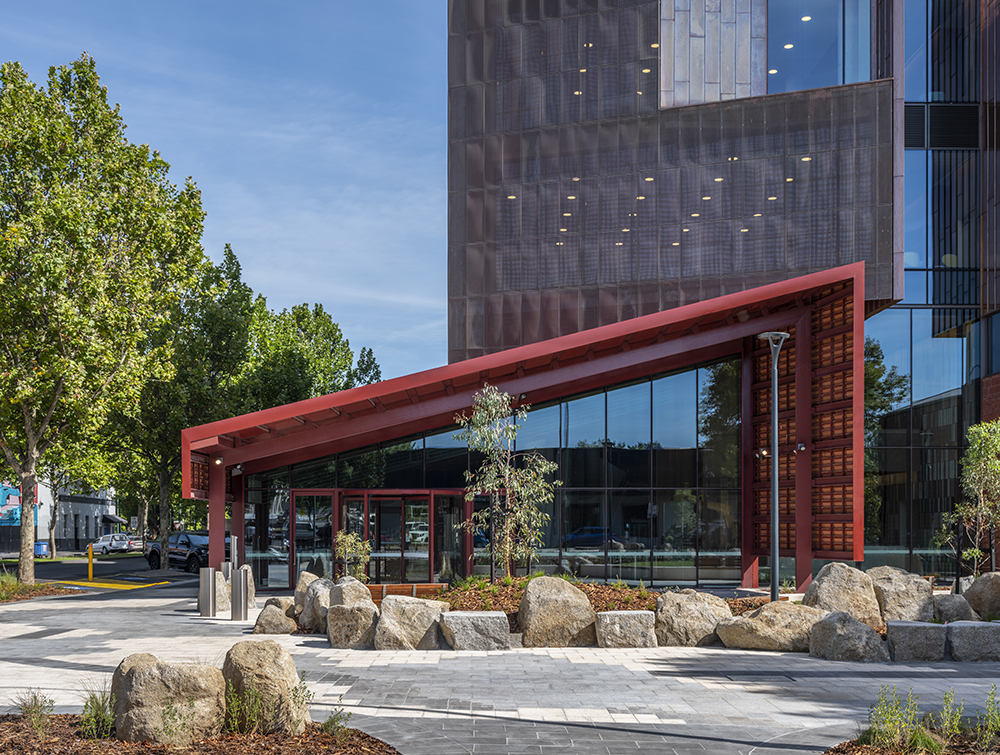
316	132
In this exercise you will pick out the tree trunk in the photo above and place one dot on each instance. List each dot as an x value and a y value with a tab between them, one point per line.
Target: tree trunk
143	513
53	515
163	477
26	557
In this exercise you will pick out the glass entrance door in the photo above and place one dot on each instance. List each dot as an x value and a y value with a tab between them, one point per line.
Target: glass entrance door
313	534
385	532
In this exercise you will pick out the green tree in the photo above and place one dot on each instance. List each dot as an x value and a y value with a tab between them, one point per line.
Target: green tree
95	246
517	483
206	346
978	513
885	389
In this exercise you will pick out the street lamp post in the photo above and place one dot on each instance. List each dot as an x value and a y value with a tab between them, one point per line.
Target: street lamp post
775	340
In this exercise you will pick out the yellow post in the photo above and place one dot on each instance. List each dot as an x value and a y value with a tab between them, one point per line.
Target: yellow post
90	562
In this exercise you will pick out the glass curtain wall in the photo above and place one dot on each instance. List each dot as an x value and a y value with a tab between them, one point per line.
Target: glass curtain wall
651	487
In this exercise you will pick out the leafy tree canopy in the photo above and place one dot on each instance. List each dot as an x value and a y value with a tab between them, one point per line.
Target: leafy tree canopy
96	246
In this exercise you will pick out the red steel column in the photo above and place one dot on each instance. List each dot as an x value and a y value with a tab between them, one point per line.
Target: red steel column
238	527
803	459
216	512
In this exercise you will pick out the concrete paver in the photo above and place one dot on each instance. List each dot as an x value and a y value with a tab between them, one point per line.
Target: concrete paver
584	700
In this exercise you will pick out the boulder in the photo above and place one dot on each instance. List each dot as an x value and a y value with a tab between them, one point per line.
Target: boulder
689	618
773	626
949	608
984	595
626	629
251	586
555	614
313	616
840	637
974	640
916	640
272	620
352	627
284	602
305	579
348	591
167	703
409	624
902	596
965	583
839	587
476	630
223	598
262	675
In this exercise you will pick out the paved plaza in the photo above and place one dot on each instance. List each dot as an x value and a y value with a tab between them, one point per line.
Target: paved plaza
581	700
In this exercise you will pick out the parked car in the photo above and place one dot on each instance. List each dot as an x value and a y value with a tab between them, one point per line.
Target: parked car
188	550
116	543
591	536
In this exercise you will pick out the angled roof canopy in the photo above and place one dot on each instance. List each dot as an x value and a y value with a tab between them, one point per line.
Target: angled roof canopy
538	372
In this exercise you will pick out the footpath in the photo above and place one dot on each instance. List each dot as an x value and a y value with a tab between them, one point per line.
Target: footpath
541	700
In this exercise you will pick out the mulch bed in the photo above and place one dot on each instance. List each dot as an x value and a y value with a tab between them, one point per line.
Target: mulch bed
65	738
959	746
35	591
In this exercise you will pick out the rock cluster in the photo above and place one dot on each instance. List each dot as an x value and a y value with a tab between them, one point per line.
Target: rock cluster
178	703
555	614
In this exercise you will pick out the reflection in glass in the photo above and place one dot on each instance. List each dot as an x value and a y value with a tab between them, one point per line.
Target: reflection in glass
628	518
416	540
935	490
404	464
447	538
719	536
675	429
719	424
915	44
385	531
628	436
938	358
446	460
583	442
673	535
916	210
584	536
821	44
540	432
313	535
361	469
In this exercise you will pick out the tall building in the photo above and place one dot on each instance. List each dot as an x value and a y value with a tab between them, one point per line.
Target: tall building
637	190
611	158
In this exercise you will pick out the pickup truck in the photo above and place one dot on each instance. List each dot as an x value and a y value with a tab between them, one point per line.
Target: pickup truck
187	549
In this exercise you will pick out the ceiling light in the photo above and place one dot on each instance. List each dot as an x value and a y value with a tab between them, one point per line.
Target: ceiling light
773	71
619	243
706	197
650	178
577	92
807	18
686	230
571	196
218	460
695	214
567	214
717	180
626	230
806	159
789	179
640	197
676	243
789	46
771	199
655	45
576	178
559	243
583	70
757	214
562	230
744	230
511	196
638	92
645	70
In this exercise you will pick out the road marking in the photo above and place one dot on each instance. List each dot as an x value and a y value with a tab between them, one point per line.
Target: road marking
109	585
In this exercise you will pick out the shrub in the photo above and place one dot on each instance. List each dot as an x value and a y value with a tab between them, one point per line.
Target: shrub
336	724
98	718
891	722
951	715
36	709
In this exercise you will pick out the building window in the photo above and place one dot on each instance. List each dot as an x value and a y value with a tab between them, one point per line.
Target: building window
822	45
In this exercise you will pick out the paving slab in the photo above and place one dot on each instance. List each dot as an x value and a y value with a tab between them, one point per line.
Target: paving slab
539	700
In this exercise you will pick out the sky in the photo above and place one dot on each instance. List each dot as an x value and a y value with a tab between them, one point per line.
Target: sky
315	130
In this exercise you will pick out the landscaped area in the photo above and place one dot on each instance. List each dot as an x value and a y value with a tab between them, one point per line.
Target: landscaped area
11	589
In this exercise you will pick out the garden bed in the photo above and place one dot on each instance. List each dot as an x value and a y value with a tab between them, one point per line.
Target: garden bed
63	736
11	590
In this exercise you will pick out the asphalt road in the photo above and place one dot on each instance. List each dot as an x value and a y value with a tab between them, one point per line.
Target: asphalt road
129	569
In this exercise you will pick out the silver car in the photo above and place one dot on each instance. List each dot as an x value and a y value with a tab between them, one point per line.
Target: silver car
117	543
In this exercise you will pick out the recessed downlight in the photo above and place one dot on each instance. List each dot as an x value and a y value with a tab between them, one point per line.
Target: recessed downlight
703	198
695	214
773	71
512	196
577	92
559	243
806	159
645	70
655	45
771	199
571	196
619	243
744	230
567	214
789	46
640	197
576	178
757	214
638	92
583	70
676	243
789	180
719	180
807	18
685	230
626	230
562	230
650	178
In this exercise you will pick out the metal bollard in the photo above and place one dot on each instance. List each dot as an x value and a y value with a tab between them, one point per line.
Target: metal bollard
240	595
206	592
227	570
234	551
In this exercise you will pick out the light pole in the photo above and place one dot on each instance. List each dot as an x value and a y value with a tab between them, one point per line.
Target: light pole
774	339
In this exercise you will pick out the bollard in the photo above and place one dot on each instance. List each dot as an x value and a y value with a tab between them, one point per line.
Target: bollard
240	595
206	592
234	551
90	562
227	570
